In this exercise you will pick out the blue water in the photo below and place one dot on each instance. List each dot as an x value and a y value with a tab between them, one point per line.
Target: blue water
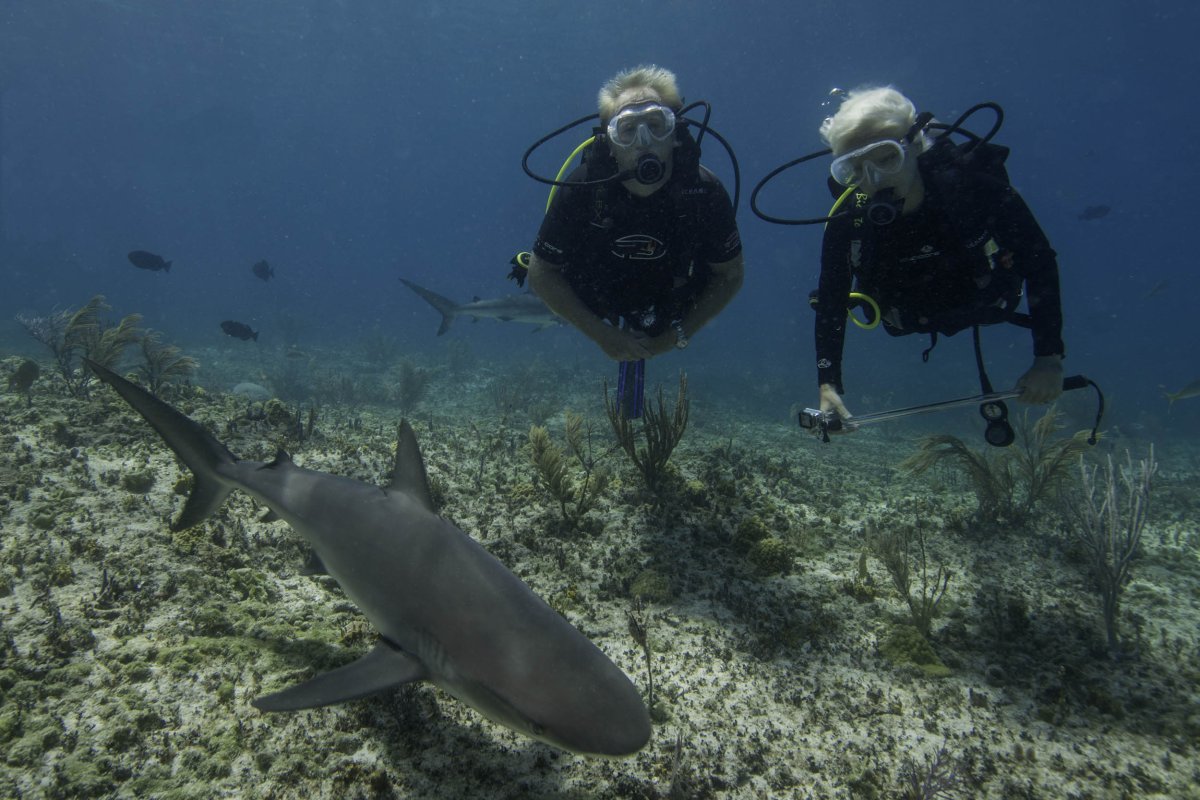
351	143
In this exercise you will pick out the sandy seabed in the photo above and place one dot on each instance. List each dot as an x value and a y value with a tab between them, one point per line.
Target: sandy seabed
130	653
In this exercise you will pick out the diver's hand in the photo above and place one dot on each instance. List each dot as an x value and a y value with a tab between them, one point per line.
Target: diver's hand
830	400
622	345
663	343
1041	383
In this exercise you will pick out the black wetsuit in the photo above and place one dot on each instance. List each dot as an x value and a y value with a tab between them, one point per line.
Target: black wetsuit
642	259
959	260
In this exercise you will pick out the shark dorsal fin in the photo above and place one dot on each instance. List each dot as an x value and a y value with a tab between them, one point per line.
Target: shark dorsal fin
281	458
408	474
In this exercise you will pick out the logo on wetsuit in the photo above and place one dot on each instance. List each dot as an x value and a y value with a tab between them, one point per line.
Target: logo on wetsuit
639	247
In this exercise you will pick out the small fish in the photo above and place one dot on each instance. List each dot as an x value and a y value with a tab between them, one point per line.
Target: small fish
1155	289
239	330
263	271
144	260
1189	391
252	391
23	378
1095	212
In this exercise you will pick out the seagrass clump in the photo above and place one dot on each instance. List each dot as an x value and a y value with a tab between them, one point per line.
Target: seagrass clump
650	445
572	477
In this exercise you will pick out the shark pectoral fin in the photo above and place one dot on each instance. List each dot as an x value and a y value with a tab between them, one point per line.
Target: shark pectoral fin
383	668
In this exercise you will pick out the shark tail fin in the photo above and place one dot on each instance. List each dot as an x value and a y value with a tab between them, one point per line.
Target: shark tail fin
202	453
445	306
383	668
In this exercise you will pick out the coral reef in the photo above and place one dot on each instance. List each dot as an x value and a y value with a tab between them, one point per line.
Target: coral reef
781	656
1110	517
1010	484
163	363
74	335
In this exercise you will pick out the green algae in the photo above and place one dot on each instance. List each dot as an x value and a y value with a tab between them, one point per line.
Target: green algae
137	481
905	646
652	586
771	556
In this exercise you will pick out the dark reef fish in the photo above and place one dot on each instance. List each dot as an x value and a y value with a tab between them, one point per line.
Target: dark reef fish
22	380
238	330
263	271
447	611
1095	212
526	308
145	260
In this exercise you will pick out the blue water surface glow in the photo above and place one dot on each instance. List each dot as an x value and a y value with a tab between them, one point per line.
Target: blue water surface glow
351	143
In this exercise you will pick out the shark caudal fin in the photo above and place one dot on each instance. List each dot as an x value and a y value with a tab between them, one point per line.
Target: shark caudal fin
445	306
199	450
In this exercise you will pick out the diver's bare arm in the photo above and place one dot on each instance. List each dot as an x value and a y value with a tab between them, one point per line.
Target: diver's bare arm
725	283
547	282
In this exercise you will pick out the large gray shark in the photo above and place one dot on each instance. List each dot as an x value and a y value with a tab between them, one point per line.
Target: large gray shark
526	307
447	611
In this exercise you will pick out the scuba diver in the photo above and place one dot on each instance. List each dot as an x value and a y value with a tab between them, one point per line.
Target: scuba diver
639	248
933	239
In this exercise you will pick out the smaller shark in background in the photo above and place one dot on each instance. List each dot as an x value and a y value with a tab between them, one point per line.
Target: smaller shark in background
447	611
527	308
1187	392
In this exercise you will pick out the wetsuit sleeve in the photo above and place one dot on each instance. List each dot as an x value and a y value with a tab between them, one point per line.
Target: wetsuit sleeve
833	290
722	241
1018	231
558	238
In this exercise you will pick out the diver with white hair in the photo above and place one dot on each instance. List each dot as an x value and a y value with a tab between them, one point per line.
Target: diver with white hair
639	248
928	236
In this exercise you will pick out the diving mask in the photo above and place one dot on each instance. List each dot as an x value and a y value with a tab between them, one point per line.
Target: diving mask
869	164
641	124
